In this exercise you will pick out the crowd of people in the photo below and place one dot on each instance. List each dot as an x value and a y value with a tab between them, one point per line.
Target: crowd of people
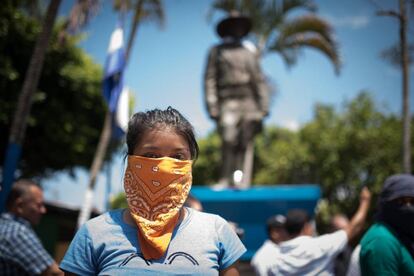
387	248
298	251
165	232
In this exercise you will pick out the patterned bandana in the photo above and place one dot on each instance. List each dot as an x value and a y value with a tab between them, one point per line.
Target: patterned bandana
156	189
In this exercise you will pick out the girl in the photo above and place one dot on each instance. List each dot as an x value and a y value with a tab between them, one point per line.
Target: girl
156	235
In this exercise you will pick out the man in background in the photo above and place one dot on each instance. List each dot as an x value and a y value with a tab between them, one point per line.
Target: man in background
21	252
304	254
267	254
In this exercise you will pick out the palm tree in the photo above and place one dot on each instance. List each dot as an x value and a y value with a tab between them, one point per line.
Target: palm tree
31	80
144	10
274	31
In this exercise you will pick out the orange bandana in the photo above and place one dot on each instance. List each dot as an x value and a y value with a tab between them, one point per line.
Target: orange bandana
156	189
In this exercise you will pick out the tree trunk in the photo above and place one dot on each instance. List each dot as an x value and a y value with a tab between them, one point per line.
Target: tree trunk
24	104
135	22
32	77
405	90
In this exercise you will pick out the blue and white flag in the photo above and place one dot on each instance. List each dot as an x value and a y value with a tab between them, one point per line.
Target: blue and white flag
121	115
114	66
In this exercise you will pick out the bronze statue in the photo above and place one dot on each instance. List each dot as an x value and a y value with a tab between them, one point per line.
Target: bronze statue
237	97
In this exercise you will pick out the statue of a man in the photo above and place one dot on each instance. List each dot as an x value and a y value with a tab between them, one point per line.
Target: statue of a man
236	95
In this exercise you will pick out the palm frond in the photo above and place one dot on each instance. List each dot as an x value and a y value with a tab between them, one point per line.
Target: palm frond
153	11
80	15
121	4
273	29
289	5
292	46
306	24
144	11
226	5
265	15
393	55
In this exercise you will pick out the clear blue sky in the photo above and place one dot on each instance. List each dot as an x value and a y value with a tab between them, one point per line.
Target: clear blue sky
167	64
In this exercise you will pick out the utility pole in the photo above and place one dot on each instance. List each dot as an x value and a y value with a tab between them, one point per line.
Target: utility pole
402	18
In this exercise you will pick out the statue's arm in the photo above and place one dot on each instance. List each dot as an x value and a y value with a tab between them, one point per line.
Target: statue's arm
210	85
262	88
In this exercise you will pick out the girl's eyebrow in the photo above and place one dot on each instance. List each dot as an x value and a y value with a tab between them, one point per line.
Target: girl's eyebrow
182	149
149	147
156	148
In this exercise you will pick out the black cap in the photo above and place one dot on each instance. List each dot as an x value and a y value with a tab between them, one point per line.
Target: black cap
396	186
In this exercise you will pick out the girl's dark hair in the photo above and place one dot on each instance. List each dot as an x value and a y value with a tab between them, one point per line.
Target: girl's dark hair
155	119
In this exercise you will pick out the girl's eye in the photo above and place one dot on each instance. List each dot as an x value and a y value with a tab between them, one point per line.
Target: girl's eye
179	156
151	155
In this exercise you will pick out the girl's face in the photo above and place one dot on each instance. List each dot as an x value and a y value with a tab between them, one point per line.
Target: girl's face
159	143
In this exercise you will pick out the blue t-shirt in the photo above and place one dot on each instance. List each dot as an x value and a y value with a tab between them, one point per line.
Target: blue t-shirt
202	244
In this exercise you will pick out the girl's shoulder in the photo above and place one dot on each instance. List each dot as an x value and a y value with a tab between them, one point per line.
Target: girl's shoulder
205	218
107	221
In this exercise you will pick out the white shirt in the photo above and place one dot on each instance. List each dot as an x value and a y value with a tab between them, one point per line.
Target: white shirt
305	255
353	268
265	257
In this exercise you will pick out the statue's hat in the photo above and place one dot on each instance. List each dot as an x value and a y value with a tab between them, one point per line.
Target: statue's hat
235	25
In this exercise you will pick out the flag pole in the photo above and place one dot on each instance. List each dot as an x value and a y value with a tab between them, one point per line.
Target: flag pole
85	212
112	89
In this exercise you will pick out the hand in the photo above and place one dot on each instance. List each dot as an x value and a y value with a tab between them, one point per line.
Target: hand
365	195
214	114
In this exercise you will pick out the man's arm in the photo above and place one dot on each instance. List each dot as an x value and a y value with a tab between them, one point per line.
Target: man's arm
261	86
357	221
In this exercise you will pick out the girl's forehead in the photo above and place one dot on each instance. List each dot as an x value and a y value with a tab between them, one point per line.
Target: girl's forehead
153	136
161	131
161	127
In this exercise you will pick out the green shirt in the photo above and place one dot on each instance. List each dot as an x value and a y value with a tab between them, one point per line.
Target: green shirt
383	254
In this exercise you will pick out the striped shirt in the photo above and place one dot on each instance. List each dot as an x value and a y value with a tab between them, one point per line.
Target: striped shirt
21	252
